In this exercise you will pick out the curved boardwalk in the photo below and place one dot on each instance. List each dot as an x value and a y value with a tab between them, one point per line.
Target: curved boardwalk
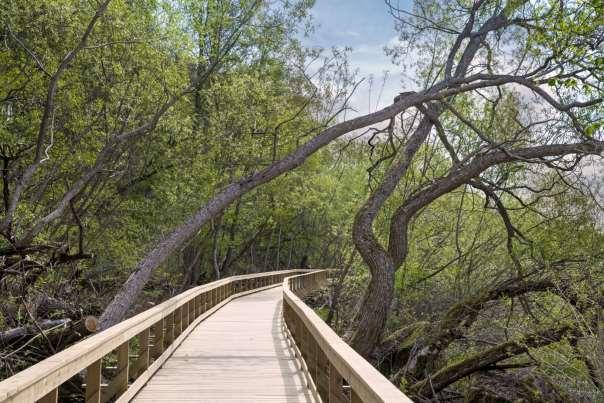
237	355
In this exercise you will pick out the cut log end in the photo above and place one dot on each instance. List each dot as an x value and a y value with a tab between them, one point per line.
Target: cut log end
91	323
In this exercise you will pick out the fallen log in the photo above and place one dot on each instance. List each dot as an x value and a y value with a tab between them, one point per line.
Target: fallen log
11	335
74	329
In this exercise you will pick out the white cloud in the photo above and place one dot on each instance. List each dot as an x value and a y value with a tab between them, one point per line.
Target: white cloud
394	41
372	62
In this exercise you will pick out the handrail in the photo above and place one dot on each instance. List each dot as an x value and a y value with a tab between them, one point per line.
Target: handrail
139	345
338	374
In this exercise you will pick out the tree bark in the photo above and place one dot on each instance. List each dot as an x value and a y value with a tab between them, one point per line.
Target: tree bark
370	319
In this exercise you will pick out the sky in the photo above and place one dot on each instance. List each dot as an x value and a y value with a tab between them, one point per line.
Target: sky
366	26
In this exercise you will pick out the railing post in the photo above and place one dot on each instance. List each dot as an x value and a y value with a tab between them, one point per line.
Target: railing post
303	342
50	397
336	390
186	313
121	379
142	362
192	310
198	306
204	302
93	382
169	324
311	359
158	339
322	379
178	321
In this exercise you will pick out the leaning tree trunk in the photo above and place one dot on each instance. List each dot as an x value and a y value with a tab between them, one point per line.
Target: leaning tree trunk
370	319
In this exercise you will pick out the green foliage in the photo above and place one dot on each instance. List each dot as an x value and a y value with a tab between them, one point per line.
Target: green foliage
252	105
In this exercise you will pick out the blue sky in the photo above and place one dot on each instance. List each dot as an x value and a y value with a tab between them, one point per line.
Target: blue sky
366	26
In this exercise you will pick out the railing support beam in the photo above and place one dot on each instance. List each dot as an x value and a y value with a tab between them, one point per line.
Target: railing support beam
50	397
93	382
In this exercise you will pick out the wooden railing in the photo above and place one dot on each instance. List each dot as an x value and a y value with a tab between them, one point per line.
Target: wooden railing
114	364
335	372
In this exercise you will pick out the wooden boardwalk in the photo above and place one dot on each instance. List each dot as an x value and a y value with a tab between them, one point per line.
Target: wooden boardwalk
218	342
239	354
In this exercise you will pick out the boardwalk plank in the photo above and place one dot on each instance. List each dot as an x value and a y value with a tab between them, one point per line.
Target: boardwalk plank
239	354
